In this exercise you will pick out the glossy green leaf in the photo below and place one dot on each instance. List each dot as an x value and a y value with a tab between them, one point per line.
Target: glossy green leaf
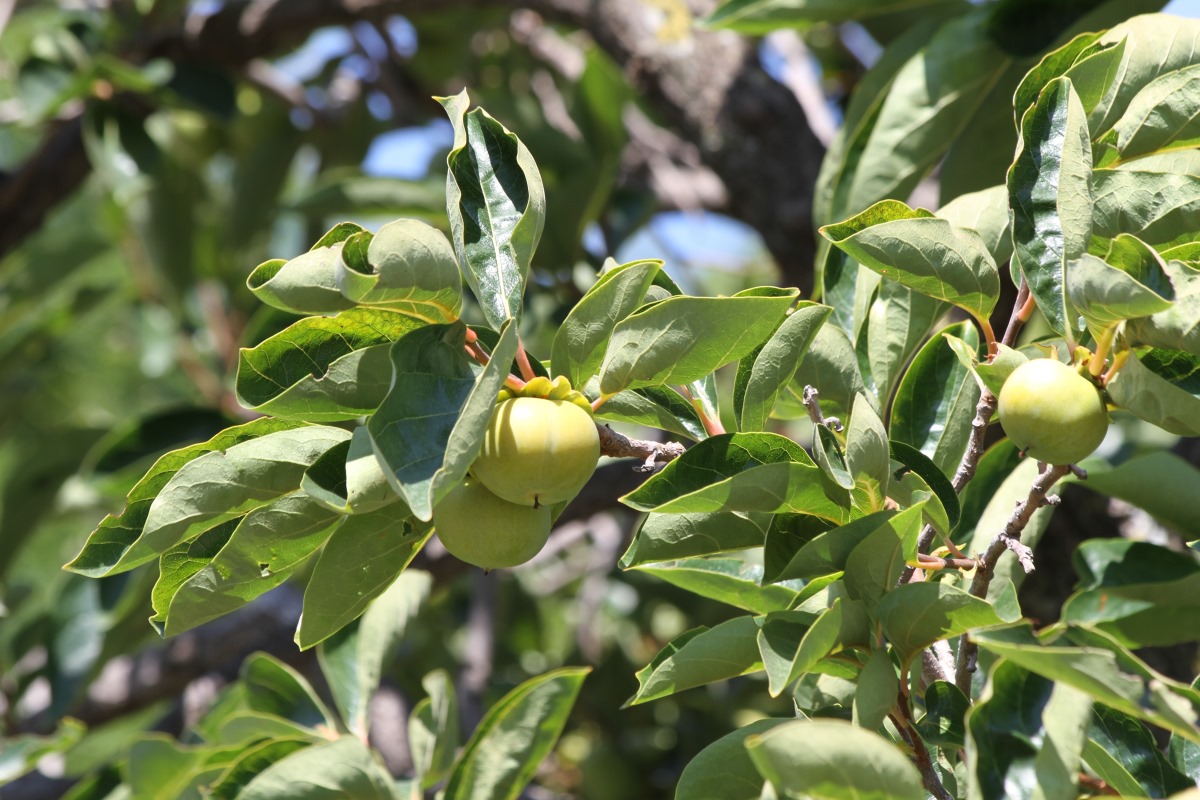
875	564
698	657
725	580
723	770
915	615
514	736
936	400
667	537
342	768
1050	191
683	339
898	322
348	478
496	205
1026	735
741	472
1130	744
793	644
867	453
875	696
830	455
830	366
945	709
1178	326
831	758
1089	63
762	374
653	406
266	547
429	428
360	561
353	660
1161	483
322	368
933	484
117	532
410	267
222	484
1154	201
923	252
1140	593
433	729
1102	668
826	553
581	340
1162	387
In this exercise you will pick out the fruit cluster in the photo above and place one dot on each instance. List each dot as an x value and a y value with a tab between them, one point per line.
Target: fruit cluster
540	448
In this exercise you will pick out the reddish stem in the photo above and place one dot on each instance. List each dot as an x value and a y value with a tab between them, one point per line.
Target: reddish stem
523	362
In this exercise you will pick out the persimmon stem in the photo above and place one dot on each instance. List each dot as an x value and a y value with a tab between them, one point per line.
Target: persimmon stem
599	401
476	352
1103	345
712	426
989	336
1118	361
523	362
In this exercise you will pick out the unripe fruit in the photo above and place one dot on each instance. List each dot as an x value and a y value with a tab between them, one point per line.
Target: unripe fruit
481	529
1051	412
537	452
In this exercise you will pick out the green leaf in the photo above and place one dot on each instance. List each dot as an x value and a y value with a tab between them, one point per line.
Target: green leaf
831	456
741	472
158	767
410	267
1130	744
764	16
986	213
1159	482
915	615
353	660
683	339
322	368
20	754
272	687
266	547
923	252
1105	295
723	770
1162	387
875	696
933	482
831	758
117	532
1101	667
581	340
826	552
348	479
496	205
945	708
875	564
1050	192
429	428
347	191
667	537
1025	736
248	763
1154	200
1162	115
867	453
830	366
936	400
221	484
514	737
1141	594
898	322
308	283
1090	65
180	563
725	580
761	375
652	406
433	734
793	644
342	768
360	561
1177	327
698	657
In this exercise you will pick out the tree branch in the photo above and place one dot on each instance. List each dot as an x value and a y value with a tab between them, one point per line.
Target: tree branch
652	453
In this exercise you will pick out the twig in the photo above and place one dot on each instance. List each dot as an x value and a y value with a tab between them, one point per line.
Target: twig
810	399
937	663
1007	539
1022	310
620	446
907	728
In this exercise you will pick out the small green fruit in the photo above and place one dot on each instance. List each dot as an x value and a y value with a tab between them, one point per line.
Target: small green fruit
537	452
1051	412
481	529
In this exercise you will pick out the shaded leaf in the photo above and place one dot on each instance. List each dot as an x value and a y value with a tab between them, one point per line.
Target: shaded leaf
666	537
726	580
700	656
762	374
339	769
723	770
1162	387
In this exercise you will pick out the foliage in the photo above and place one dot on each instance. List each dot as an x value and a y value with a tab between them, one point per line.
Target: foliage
906	672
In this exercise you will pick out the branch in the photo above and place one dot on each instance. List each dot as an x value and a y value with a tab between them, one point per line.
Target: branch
620	446
811	398
1007	539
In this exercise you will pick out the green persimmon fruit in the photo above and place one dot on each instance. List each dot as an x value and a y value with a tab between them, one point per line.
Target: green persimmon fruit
481	529
537	452
1051	412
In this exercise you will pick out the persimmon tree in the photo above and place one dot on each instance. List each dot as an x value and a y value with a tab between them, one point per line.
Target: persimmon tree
872	565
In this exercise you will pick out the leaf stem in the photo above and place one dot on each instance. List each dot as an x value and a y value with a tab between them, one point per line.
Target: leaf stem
1022	310
1103	345
523	362
599	401
1118	361
712	426
1008	539
476	352
989	335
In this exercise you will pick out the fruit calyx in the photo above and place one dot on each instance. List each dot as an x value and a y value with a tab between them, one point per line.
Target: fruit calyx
544	388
